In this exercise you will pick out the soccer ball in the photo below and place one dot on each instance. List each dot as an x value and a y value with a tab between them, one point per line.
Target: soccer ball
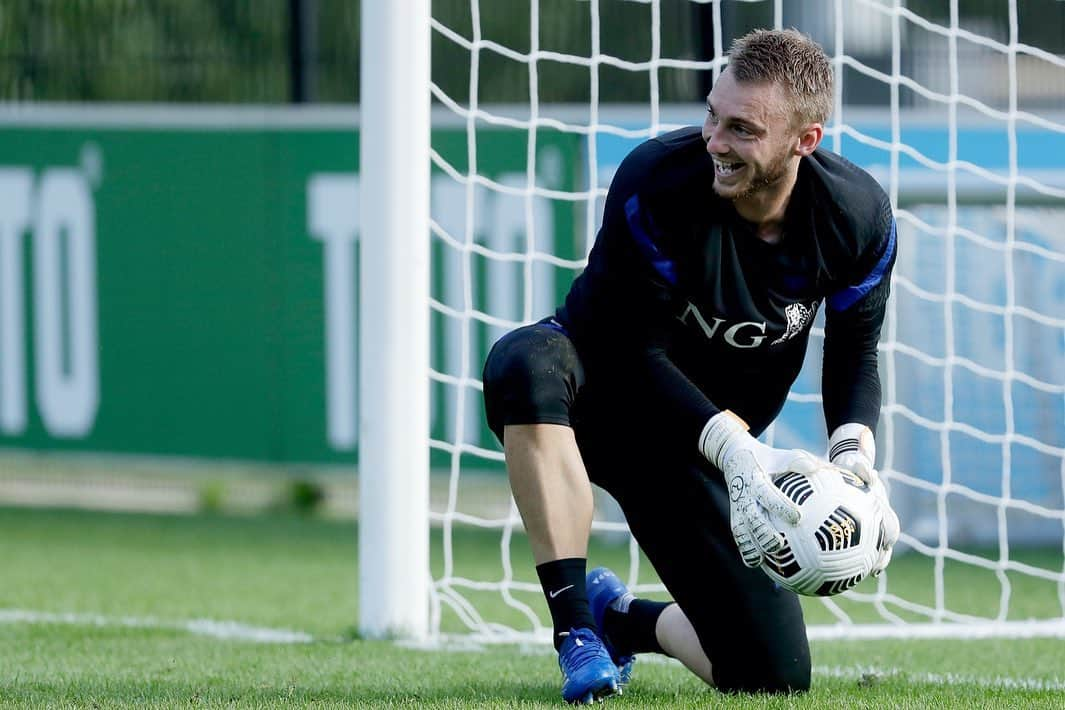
839	538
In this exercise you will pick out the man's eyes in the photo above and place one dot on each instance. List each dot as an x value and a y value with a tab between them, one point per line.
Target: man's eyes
737	128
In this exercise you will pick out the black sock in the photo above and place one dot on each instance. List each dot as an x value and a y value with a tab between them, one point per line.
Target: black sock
563	584
634	631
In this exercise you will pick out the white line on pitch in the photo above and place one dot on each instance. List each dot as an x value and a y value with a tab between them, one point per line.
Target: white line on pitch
873	674
226	630
471	643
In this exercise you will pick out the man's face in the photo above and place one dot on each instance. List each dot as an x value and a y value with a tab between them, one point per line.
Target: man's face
749	136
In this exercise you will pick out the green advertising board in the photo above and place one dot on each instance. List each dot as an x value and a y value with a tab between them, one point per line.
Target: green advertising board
187	285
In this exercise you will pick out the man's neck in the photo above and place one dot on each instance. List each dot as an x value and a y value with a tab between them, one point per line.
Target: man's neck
765	209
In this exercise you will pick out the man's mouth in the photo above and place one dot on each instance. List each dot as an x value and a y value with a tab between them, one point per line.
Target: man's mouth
724	168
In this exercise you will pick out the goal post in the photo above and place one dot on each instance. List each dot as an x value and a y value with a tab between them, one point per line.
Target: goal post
394	321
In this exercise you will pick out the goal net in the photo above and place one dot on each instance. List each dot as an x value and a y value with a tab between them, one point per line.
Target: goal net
956	107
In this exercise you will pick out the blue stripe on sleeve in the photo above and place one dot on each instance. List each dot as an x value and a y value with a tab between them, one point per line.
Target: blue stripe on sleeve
663	265
842	300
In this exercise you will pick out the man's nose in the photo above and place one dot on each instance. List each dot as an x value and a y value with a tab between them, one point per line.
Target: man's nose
716	146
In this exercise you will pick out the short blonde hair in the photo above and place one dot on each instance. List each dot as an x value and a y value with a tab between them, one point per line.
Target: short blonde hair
791	60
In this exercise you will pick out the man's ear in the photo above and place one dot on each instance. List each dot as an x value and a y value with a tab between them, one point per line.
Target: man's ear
809	139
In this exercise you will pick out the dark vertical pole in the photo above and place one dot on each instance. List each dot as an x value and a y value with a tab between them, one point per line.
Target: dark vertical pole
302	49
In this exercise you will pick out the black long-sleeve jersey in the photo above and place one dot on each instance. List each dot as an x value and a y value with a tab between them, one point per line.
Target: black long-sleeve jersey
687	312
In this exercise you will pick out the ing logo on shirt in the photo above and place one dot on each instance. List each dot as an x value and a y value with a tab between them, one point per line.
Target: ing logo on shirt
750	334
744	334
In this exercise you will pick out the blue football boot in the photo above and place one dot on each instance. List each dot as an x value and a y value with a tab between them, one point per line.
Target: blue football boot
603	588
589	672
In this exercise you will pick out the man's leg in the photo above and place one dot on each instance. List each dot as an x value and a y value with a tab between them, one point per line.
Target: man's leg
678	639
554	497
750	632
551	489
531	380
631	626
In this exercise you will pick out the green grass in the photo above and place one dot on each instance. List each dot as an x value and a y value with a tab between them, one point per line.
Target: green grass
298	573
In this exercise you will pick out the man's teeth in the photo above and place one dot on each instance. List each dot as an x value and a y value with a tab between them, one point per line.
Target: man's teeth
723	168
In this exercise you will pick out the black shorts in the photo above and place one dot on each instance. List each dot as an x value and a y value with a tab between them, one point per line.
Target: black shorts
675	503
532	376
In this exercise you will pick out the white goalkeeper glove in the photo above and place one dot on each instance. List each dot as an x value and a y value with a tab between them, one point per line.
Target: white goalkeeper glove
749	467
891	533
853	448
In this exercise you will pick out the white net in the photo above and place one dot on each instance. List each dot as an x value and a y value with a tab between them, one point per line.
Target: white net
955	107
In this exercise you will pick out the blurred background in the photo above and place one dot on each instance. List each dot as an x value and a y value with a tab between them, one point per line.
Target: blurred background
307	51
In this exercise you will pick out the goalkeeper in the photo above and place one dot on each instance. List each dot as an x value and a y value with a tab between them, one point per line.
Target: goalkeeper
674	349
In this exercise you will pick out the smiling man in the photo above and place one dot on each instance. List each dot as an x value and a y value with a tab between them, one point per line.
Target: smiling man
675	348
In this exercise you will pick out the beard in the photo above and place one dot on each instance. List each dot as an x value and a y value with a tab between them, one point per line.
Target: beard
761	179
